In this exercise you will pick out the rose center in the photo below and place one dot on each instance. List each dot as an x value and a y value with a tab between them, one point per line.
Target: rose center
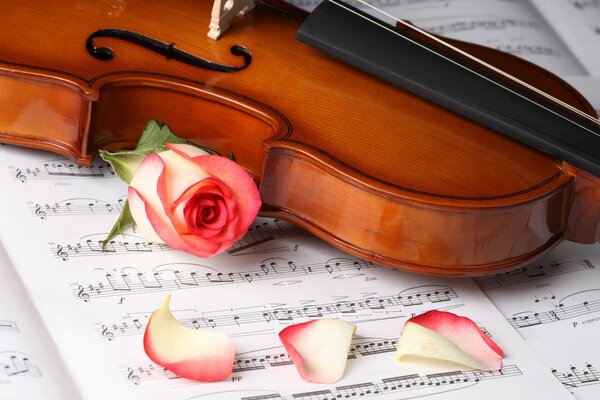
205	211
209	214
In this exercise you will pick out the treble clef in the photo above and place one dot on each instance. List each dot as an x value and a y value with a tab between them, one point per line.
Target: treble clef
20	176
83	295
132	377
39	212
61	253
107	334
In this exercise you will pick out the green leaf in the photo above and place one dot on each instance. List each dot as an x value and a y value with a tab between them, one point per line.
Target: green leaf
124	163
152	136
170	137
125	221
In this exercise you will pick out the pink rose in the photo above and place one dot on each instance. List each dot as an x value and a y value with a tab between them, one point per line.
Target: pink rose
192	201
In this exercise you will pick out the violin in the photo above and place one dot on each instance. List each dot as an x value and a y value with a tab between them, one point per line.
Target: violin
412	167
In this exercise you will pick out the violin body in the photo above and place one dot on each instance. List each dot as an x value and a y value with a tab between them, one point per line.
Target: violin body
368	167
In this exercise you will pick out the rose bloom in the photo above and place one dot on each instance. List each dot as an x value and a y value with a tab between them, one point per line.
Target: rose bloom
192	201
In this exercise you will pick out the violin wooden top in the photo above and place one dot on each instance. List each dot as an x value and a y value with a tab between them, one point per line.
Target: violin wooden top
368	167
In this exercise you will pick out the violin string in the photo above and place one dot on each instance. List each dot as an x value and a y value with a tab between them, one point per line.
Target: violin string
499	71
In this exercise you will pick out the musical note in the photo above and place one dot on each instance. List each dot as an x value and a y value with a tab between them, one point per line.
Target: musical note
261	362
434	294
577	377
75	207
91	245
265	232
432	383
51	170
481	24
17	364
532	272
561	312
361	309
171	277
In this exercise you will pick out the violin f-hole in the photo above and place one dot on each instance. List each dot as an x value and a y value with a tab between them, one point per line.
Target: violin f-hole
162	48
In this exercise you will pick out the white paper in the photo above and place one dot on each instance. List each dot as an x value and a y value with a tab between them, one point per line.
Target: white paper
30	367
589	87
555	305
95	305
578	24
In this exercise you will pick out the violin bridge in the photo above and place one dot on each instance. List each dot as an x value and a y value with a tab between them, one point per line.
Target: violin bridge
223	11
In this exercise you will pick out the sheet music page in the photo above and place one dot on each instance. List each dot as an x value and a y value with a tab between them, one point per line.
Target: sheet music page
96	304
554	304
30	367
589	87
513	26
578	23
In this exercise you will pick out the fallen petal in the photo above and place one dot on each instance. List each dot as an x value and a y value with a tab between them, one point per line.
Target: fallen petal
201	355
319	348
445	336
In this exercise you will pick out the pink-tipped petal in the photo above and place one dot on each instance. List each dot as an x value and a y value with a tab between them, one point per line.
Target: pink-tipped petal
137	207
188	149
147	183
319	348
201	355
449	337
181	172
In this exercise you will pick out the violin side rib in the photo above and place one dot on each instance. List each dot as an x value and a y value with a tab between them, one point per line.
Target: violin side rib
62	102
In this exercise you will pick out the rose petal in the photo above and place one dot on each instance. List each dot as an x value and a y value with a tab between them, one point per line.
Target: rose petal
188	149
137	207
446	336
146	184
181	173
202	355
319	348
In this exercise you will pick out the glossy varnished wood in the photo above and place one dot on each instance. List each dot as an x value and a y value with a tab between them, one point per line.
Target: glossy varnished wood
368	167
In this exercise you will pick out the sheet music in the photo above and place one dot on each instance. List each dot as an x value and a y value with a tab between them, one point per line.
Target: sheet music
30	367
589	87
555	305
578	24
96	304
514	26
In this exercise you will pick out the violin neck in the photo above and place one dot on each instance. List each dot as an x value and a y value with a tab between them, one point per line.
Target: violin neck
435	74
